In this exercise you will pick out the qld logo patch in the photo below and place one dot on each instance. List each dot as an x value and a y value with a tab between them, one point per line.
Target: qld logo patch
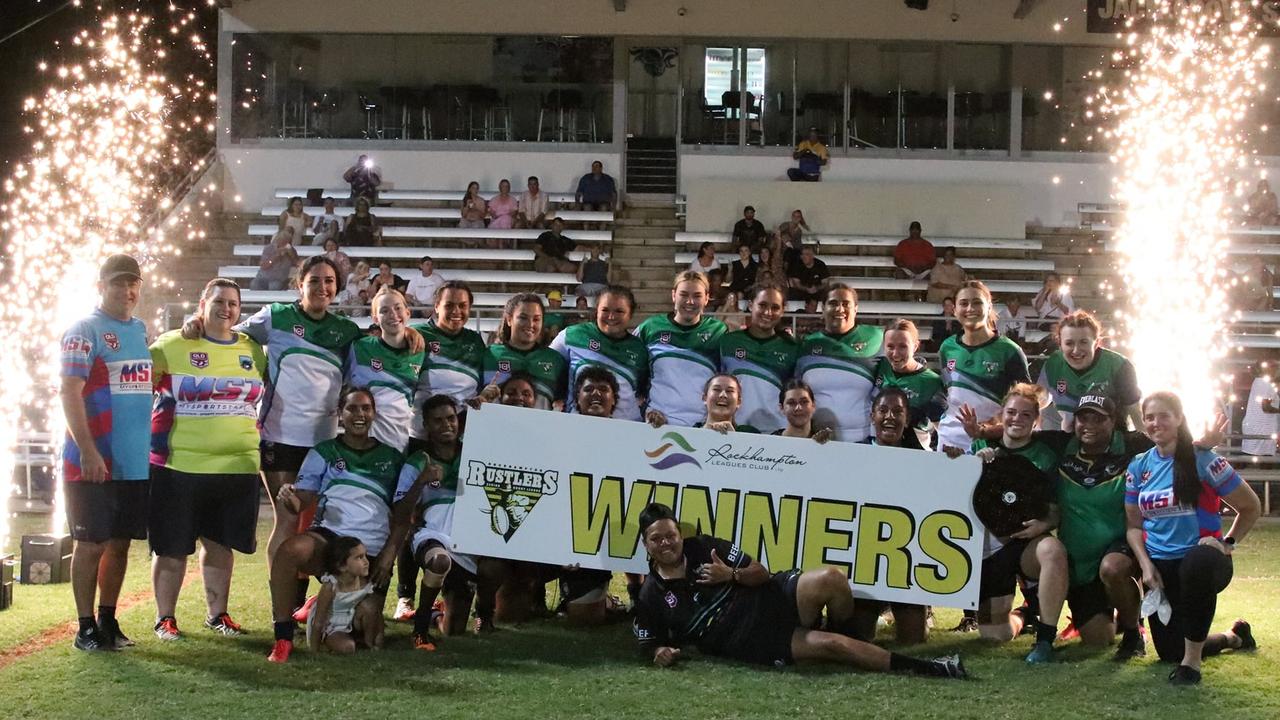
199	359
740	353
512	493
1062	386
340	465
951	364
593	344
112	340
435	347
671	599
299	330
504	366
664	338
376	364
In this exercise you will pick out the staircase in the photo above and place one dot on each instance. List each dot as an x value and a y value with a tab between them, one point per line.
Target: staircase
651	165
188	272
643	245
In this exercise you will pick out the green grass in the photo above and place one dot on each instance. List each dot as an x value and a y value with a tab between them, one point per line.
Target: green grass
544	669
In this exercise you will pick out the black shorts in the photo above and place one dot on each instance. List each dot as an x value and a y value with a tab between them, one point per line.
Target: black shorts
278	457
112	510
222	508
1087	600
1000	571
763	636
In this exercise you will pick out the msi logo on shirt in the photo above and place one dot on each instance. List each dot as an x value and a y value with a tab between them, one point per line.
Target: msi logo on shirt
112	340
199	360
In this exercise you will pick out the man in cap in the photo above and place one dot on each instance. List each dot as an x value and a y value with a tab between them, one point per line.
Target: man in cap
553	319
106	398
810	156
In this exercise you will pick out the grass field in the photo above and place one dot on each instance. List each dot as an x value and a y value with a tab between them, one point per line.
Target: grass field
544	669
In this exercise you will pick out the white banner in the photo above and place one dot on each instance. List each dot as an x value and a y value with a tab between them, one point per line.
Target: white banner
554	488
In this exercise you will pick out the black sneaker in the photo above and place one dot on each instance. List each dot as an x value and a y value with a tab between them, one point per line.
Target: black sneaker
113	636
966	625
950	666
1132	645
1183	675
91	640
1244	631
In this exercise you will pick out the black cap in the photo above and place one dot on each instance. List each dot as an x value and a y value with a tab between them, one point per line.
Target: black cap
1097	403
119	265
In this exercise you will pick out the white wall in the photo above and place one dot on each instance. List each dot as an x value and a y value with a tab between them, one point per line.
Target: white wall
253	173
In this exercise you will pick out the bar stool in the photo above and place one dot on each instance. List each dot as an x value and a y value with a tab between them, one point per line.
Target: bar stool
372	116
394	115
562	107
968	107
829	108
494	115
294	110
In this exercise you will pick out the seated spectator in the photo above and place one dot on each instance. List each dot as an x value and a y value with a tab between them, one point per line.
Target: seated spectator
531	209
295	218
593	274
811	155
706	261
358	280
364	179
552	319
1053	302
1262	208
1011	320
808	280
503	206
1256	287
742	275
945	278
334	252
361	228
474	208
769	271
386	278
596	191
750	231
421	289
359	305
552	251
945	327
797	226
278	260
328	225
914	256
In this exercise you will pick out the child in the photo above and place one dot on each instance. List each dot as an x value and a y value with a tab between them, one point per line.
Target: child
336	618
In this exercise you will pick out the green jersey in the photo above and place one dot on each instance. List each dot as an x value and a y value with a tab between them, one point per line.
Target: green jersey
391	373
356	489
926	398
841	371
544	364
584	344
454	363
762	367
682	358
1111	375
976	376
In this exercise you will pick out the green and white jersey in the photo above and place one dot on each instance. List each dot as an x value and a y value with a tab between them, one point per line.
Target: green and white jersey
391	373
583	344
454	364
682	358
305	369
761	367
926	398
544	364
841	371
436	504
1111	374
977	376
356	488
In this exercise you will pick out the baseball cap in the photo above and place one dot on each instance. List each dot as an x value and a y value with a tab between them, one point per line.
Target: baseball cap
555	295
1096	403
119	265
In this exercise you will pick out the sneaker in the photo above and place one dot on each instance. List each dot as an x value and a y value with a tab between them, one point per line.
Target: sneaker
1041	653
113	636
301	614
1070	632
91	640
951	667
280	651
224	625
1244	631
1132	645
484	626
424	642
966	625
167	629
1183	675
404	610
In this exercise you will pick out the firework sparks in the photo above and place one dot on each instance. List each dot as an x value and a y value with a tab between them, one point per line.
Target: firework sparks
1179	139
110	133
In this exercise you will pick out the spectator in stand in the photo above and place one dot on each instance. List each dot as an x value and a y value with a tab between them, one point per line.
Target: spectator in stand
914	256
1011	320
503	206
749	231
279	258
474	208
1263	208
421	289
797	226
785	248
593	274
1256	287
361	228
358	280
553	320
295	218
531	210
328	225
596	191
1053	302
945	278
810	155
945	327
364	179
769	272
742	275
706	261
342	260
1261	414
552	251
359	304
808	280
386	278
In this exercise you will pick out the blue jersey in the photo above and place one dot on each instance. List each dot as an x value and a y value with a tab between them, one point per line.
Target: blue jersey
1171	528
113	359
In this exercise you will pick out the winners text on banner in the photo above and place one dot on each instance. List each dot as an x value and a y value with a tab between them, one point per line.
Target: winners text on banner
562	489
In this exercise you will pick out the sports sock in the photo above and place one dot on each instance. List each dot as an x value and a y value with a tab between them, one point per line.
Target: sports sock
285	629
1045	633
907	664
300	594
87	625
106	614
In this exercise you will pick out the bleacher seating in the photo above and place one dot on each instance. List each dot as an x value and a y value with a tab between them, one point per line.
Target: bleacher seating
386	195
415	253
886	262
515	277
413	232
821	239
1107	210
421	213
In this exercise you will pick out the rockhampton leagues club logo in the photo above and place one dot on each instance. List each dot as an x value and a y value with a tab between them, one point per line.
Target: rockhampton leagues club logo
512	493
664	458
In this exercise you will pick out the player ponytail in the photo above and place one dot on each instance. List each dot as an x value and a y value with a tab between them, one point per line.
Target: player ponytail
1186	477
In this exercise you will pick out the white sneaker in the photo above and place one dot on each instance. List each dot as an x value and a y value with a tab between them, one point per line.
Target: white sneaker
404	610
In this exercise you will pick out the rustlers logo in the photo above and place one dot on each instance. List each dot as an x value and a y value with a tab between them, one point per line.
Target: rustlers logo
112	340
504	366
664	338
199	359
512	493
299	330
1062	386
593	344
376	364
